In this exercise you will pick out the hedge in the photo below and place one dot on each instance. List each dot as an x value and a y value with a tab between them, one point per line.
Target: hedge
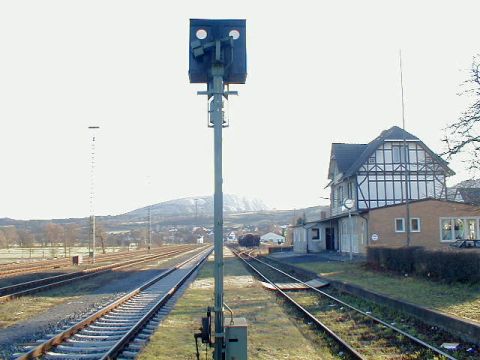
447	264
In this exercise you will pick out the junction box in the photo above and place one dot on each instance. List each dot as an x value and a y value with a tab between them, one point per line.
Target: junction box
236	339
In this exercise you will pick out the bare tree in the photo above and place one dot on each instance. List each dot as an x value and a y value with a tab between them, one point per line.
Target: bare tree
463	135
72	232
25	238
11	235
101	234
53	233
3	240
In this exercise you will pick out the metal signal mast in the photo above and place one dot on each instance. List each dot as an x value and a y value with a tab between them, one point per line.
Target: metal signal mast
218	58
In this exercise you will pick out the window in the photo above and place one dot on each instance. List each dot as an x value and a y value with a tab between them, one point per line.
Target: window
447	230
415	224
472	229
398	152
459	227
400	225
452	229
315	234
350	190
340	195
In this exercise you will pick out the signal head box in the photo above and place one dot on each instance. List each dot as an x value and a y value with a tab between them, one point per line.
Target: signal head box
203	36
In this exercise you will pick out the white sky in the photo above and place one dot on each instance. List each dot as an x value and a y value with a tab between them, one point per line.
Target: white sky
319	72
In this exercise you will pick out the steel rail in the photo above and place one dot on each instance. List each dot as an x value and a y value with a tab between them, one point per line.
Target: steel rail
44	347
10	288
128	337
370	316
62	263
349	349
12	268
29	284
59	280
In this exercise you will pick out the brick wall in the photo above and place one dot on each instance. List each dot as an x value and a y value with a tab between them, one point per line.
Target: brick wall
381	222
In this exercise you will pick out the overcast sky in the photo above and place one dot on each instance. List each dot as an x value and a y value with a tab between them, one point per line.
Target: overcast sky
318	72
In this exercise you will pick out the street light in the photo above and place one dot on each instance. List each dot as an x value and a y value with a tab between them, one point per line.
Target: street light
348	204
92	189
196	211
149	220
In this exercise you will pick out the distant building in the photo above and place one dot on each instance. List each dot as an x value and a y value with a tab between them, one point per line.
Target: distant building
466	195
231	236
272	237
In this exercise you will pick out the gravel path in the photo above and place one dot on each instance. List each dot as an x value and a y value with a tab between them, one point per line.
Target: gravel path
13	338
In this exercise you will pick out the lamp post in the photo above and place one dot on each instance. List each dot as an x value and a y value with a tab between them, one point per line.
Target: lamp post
92	188
196	211
149	227
348	204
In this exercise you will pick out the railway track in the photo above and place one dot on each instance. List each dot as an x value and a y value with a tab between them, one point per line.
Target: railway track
8	293
10	270
363	336
119	330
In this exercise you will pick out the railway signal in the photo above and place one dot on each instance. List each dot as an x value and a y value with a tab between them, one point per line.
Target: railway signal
217	57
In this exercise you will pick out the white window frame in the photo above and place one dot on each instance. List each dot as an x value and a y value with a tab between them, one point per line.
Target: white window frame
419	225
403	225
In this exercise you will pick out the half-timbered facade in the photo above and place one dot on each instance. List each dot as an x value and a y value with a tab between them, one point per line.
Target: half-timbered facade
392	168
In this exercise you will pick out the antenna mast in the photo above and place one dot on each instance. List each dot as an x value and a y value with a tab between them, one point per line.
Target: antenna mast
406	159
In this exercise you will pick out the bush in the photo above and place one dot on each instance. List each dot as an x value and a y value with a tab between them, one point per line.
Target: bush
449	264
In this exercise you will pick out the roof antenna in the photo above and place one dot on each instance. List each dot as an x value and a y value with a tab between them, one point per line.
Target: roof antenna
405	158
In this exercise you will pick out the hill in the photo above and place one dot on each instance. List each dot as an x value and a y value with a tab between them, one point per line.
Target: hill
199	205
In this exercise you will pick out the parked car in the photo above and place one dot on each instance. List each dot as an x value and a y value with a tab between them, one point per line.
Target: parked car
466	244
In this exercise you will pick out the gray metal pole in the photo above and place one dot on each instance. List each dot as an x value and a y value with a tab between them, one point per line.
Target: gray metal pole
92	191
93	238
405	152
351	233
149	228
216	116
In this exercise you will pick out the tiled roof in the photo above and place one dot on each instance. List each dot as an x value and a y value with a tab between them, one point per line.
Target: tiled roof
346	154
470	195
354	155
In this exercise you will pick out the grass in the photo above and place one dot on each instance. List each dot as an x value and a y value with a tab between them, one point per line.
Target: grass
271	332
462	300
26	307
23	308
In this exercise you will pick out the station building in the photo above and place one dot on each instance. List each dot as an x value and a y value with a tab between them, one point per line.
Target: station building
379	177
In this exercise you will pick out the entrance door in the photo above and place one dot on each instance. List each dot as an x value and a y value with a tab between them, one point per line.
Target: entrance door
330	238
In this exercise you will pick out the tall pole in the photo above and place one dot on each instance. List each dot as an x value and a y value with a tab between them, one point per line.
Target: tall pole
196	212
216	88
351	233
149	227
92	189
405	153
